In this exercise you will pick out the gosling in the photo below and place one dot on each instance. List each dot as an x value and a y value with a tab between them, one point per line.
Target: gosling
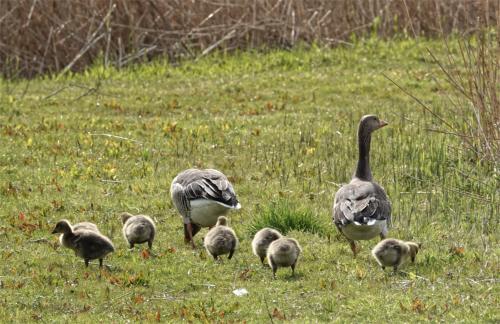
393	252
261	241
283	252
63	239
221	239
88	245
138	229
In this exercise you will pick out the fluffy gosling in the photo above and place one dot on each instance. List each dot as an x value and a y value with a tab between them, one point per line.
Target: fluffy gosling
393	252
261	241
88	245
63	239
138	229
283	252
221	239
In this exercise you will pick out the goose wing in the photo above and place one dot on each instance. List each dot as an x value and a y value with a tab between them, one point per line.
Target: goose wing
361	202
206	184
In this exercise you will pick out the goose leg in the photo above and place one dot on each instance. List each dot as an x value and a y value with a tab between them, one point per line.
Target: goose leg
100	263
86	263
293	268
273	266
262	260
188	229
354	249
230	254
150	244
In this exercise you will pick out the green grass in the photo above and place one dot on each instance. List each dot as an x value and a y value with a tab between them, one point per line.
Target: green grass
280	125
285	217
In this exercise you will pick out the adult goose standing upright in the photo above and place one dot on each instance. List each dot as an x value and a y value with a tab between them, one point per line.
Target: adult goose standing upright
361	209
201	196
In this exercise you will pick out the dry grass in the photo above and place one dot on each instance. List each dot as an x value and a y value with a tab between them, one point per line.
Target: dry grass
52	35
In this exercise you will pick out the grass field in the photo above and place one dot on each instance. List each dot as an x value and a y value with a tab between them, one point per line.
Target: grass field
282	126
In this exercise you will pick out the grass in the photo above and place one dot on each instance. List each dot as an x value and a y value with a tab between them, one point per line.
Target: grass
285	217
280	125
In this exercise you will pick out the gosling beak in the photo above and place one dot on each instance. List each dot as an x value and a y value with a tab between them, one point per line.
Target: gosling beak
382	123
54	231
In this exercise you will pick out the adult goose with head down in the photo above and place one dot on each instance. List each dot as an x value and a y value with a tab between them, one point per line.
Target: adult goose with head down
361	209
201	196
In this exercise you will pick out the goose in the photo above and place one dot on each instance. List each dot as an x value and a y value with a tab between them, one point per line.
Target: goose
88	245
201	196
138	229
221	239
63	239
283	252
393	252
261	241
361	209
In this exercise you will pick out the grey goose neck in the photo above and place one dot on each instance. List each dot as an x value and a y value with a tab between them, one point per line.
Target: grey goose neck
363	171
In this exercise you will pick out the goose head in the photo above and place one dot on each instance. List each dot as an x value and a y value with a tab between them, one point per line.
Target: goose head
63	226
125	217
370	123
414	248
221	221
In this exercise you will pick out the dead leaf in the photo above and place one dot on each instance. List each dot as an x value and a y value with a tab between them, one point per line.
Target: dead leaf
457	250
138	299
145	254
417	305
158	316
245	274
278	314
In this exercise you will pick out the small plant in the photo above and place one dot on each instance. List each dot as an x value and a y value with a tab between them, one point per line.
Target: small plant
284	216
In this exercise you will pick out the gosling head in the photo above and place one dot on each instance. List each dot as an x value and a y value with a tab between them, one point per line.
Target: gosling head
63	226
370	123
125	217
221	221
414	248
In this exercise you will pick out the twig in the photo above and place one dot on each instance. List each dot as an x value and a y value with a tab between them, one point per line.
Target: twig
267	309
117	137
40	240
217	43
94	39
419	102
111	181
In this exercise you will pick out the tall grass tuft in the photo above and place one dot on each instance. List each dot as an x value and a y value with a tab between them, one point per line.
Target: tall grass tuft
474	76
284	216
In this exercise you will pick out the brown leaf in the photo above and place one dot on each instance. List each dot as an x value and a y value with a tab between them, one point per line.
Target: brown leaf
417	305
245	274
278	314
145	254
158	316
457	250
138	299
22	217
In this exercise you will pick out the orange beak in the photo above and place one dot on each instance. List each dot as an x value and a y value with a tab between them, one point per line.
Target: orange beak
383	123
